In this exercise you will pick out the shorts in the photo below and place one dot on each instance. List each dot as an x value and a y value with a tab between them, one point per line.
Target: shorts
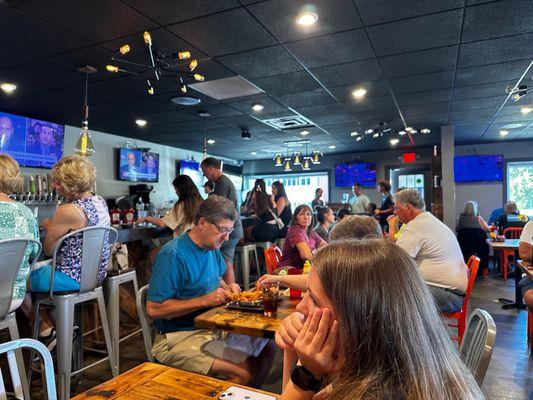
196	350
525	284
228	249
40	281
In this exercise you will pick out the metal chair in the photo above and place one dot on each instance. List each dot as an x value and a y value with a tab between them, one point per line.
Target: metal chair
146	322
280	242
13	349
112	299
12	252
478	343
461	315
64	304
243	253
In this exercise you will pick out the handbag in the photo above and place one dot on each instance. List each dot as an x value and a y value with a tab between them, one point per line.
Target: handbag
279	222
119	259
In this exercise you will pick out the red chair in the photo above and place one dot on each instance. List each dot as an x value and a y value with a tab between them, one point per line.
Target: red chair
272	258
461	316
509	233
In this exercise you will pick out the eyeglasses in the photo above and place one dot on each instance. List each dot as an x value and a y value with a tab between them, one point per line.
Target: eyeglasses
221	230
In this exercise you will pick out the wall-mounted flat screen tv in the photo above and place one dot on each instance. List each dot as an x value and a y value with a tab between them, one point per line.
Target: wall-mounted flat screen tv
32	142
138	166
346	174
192	169
477	168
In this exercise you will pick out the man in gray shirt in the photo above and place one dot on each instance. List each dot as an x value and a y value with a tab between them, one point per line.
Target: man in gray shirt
224	187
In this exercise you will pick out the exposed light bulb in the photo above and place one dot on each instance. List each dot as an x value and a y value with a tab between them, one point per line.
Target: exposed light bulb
193	64
112	68
358	138
199	77
409	129
394	141
211	141
124	49
504	133
369	131
257	107
8	87
184	55
425	131
183	88
84	146
402	133
375	135
354	133
141	122
147	38
359	93
306	19
151	90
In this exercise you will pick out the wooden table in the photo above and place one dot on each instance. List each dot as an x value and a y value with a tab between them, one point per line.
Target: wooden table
156	381
510	244
246	322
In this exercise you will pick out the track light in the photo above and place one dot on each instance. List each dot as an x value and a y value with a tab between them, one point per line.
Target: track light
354	133
375	135
358	138
425	131
402	133
369	131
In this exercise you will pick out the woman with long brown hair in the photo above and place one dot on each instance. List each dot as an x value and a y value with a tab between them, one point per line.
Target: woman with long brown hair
181	217
369	329
268	227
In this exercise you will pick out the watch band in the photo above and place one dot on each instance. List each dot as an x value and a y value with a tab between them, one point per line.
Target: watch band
304	379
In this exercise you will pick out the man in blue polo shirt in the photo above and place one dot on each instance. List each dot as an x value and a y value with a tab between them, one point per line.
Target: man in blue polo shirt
188	278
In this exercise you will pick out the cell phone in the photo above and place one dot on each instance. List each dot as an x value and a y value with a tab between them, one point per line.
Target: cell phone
238	393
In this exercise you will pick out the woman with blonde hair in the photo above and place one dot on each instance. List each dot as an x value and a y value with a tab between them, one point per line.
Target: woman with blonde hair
16	222
360	336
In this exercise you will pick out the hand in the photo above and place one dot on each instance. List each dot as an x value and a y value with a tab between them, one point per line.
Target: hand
287	332
263	280
233	288
46	224
377	212
215	298
141	220
316	344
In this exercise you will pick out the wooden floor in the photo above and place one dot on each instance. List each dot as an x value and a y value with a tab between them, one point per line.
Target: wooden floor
510	375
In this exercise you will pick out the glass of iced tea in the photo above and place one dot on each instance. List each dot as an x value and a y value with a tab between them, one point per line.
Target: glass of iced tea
270	299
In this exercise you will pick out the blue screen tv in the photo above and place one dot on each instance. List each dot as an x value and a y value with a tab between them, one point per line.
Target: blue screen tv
32	142
192	169
487	168
138	166
346	174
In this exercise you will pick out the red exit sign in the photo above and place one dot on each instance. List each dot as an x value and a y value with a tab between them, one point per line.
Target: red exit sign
409	157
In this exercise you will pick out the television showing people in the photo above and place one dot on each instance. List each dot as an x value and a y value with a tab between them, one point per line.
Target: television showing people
32	142
138	166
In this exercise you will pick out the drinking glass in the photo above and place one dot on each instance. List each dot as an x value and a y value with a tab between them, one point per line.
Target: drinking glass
270	299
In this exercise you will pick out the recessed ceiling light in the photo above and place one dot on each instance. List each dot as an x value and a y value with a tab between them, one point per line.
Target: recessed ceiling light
354	133
425	131
503	132
332	146
253	153
257	107
394	141
306	19
211	141
304	133
8	87
512	126
141	122
526	110
359	93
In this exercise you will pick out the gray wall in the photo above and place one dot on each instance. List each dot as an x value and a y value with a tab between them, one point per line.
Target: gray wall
105	160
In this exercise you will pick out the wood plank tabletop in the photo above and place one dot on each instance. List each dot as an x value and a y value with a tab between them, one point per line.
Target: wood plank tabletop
509	244
246	322
159	382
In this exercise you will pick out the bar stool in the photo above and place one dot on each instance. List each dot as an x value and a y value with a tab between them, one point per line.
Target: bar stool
63	304
244	262
12	253
112	299
261	246
146	322
280	242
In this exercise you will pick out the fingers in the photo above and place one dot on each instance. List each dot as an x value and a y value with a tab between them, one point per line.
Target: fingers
322	330
330	346
313	326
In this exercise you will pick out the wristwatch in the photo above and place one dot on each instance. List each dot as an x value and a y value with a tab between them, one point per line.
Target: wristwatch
304	379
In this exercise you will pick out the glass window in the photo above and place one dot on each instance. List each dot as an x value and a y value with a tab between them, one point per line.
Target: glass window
520	185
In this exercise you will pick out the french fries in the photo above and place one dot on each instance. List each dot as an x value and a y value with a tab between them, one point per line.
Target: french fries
252	295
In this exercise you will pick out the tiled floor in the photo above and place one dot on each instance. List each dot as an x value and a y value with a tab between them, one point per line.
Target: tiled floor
510	375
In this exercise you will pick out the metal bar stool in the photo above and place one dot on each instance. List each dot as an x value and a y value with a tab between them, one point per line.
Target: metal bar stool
146	322
243	253
64	303
112	299
261	246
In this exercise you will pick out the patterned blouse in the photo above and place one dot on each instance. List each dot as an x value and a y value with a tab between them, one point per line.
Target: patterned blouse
69	254
17	221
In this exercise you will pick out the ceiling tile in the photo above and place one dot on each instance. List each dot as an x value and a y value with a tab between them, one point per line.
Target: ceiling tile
474	104
496	50
374	89
416	33
490	73
313	97
279	17
419	62
299	81
428	96
270	105
12	57
482	90
94	56
332	49
349	73
416	83
224	33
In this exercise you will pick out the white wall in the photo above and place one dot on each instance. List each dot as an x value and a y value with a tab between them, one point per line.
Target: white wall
105	160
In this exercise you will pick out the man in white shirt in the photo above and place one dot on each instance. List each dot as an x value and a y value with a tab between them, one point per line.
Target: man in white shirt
525	250
435	249
359	201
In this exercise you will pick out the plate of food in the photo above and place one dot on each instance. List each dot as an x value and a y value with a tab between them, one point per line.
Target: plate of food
247	300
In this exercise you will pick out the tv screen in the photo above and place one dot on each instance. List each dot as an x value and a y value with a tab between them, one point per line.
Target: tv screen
138	166
192	169
346	174
32	142
487	168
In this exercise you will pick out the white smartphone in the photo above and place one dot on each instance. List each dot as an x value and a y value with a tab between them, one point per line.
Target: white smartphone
238	393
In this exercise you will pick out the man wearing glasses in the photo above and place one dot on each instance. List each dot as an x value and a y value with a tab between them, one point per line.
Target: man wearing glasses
189	276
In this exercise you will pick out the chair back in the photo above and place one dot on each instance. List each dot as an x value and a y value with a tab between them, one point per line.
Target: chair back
512	232
478	343
146	321
12	252
93	242
49	381
473	265
272	258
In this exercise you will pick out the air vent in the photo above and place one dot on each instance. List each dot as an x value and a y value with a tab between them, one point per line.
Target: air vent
227	88
291	122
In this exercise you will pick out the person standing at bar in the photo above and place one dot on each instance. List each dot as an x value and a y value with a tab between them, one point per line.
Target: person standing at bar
359	201
387	204
224	187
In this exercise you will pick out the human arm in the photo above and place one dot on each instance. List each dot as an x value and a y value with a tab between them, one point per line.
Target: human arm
304	251
230	287
483	224
280	205
152	220
298	282
410	242
67	218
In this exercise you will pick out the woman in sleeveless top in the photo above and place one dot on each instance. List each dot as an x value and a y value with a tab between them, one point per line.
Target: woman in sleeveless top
281	203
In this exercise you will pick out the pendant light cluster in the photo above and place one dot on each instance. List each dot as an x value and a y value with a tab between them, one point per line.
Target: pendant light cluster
383	130
297	159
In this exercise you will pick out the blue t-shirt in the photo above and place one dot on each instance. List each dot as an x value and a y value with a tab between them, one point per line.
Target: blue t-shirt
182	271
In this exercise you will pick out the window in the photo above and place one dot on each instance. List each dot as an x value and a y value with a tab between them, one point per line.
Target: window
520	185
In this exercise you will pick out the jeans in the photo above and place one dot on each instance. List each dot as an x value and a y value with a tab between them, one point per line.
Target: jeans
446	300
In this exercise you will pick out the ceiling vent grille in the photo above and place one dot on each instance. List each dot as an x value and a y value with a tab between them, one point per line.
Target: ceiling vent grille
291	122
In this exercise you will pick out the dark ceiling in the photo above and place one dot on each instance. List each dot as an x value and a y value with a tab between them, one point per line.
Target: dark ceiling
433	62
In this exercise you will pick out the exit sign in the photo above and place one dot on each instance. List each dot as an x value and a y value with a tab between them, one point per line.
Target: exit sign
409	157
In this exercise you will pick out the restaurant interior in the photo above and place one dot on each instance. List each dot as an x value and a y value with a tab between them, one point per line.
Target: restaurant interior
388	109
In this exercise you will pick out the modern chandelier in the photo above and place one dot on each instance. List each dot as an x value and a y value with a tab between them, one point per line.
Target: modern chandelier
290	160
175	65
